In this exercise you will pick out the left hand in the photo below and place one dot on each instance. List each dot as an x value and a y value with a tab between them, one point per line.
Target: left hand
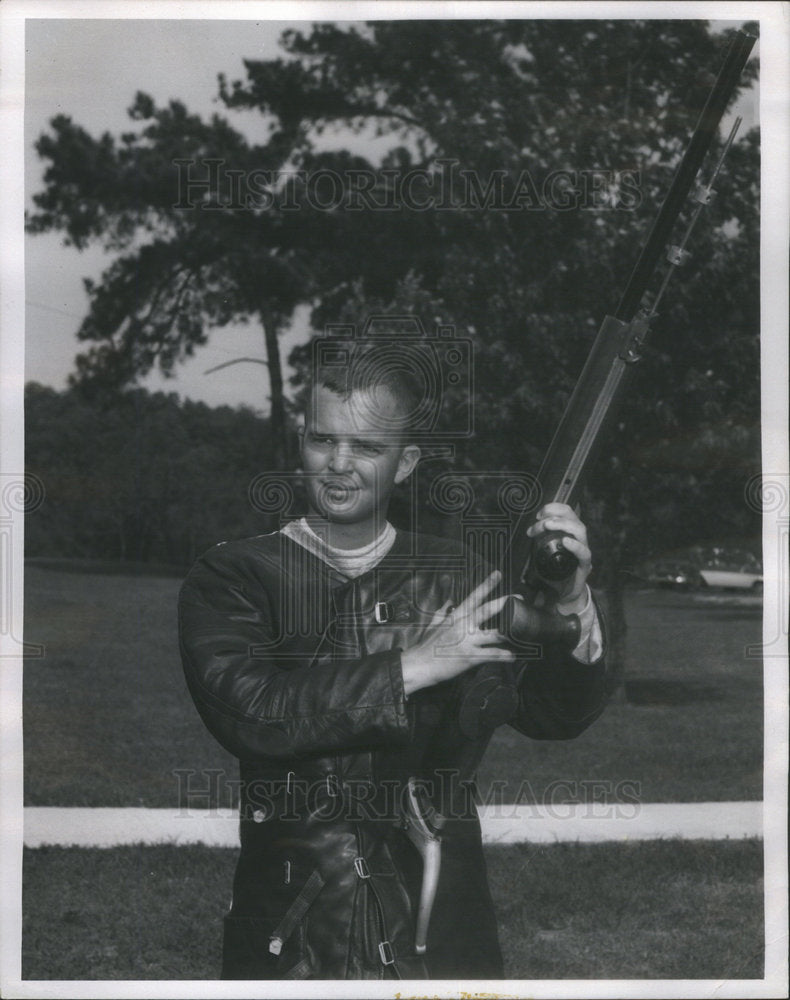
571	593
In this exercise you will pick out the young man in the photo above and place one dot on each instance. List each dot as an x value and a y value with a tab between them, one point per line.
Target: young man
332	658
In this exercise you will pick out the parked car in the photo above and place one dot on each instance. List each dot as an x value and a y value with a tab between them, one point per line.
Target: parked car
677	575
746	577
721	566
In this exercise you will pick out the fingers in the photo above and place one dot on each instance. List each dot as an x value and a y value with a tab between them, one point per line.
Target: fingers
558	517
440	615
471	602
495	654
579	549
556	509
488	610
459	642
471	630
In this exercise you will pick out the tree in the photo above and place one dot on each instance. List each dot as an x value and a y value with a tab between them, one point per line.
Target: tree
564	130
187	259
145	479
512	103
527	160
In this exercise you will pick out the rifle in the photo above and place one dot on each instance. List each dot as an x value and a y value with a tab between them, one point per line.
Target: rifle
615	352
490	695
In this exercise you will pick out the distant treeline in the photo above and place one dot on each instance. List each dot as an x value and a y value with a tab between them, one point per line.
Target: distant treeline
140	476
145	477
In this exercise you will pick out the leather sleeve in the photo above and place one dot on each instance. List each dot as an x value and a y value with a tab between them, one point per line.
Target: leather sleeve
257	703
559	696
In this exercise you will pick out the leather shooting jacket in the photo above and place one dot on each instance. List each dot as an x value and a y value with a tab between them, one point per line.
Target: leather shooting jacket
296	671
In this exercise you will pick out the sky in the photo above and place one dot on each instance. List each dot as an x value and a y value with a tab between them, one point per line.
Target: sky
90	70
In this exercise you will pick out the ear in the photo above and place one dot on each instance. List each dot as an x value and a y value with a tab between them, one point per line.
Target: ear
409	457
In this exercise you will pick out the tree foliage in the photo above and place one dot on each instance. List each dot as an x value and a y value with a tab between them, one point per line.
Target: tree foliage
547	110
539	152
183	263
145	479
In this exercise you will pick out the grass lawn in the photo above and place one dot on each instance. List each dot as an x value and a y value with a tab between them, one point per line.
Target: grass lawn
108	721
690	728
663	909
107	717
656	910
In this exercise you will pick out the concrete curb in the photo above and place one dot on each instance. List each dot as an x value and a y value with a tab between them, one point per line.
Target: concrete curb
501	824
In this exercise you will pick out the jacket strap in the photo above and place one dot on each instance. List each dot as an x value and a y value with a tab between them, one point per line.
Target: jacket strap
295	912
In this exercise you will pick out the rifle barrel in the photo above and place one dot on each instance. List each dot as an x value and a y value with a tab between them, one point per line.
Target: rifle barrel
704	134
616	347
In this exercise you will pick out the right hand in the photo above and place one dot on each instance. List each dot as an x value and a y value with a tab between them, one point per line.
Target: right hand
456	641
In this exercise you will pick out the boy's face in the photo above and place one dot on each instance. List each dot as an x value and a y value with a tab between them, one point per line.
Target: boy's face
352	460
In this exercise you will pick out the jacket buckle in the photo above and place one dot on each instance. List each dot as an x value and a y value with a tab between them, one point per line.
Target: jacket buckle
386	953
382	612
289	780
332	787
361	868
